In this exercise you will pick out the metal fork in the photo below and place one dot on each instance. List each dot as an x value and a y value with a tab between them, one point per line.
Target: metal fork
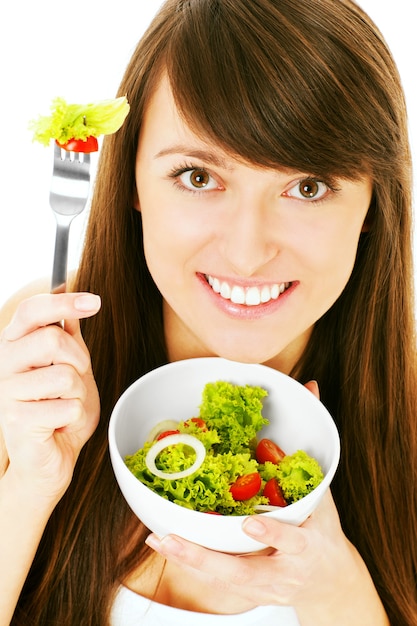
68	197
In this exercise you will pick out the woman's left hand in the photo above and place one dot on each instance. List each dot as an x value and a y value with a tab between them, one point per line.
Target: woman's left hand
312	567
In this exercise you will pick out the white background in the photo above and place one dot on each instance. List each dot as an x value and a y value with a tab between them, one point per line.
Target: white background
79	50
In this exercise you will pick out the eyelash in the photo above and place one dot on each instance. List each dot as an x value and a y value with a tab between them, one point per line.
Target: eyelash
176	172
329	184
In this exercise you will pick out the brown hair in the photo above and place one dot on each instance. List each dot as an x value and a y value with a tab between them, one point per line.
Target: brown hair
309	85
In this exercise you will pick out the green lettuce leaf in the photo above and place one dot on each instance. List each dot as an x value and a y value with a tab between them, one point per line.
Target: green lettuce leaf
235	412
79	121
297	474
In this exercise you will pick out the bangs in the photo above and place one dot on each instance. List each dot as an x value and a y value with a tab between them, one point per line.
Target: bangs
286	84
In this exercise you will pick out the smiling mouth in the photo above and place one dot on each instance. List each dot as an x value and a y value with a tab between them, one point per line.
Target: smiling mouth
249	296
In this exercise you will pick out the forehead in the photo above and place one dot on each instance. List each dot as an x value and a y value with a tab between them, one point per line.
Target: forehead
162	120
164	131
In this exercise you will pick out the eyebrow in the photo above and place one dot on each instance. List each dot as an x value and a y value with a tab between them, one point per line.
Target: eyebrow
203	155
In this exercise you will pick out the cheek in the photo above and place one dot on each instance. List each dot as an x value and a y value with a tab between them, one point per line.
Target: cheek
332	257
169	248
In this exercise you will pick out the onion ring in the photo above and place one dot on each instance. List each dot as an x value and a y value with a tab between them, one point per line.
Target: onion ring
170	440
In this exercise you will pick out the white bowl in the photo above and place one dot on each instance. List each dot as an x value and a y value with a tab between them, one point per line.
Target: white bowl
174	391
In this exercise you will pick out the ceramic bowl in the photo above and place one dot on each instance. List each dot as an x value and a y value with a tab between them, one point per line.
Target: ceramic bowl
174	391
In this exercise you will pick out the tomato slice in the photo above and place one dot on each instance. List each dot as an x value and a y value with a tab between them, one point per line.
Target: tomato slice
80	145
267	450
273	492
165	433
245	487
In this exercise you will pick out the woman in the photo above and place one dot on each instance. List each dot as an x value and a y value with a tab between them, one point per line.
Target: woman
266	149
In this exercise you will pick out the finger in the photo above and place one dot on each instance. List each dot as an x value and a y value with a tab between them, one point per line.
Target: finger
220	566
285	538
45	309
38	420
46	383
313	387
43	347
230	571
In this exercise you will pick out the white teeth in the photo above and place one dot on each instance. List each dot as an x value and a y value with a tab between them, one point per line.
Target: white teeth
266	294
216	285
225	291
238	295
275	291
251	296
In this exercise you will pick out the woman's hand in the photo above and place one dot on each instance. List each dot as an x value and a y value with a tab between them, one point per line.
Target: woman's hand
312	567
49	403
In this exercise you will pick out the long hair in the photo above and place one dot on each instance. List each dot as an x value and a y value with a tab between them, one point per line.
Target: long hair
308	85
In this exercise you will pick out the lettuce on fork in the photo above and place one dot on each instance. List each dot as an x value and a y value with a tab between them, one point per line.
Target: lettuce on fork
80	121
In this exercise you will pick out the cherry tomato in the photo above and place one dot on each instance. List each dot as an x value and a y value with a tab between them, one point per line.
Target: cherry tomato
79	145
267	450
165	433
245	487
200	423
273	492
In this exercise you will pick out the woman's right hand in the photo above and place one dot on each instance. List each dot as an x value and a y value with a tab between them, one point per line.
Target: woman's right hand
49	403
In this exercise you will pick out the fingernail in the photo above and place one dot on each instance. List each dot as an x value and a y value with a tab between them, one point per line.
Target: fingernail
254	527
153	542
168	546
88	302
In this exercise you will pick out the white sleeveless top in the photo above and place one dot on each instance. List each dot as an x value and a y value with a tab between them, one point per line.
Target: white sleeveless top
131	609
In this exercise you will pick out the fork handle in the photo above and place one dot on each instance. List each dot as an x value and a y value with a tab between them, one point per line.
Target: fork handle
59	269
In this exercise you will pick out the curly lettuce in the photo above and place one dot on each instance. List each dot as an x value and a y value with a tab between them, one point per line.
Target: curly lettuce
207	489
235	412
297	474
80	121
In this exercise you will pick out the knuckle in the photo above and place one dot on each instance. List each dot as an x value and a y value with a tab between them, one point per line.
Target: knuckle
55	336
25	309
85	363
77	411
65	378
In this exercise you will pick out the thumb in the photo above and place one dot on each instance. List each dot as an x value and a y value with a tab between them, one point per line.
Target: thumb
73	326
313	387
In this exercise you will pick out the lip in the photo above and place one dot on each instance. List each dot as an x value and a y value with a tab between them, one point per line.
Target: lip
245	311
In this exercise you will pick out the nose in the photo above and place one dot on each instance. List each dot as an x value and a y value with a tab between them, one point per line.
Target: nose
249	235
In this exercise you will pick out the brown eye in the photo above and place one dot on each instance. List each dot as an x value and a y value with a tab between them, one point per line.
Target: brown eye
309	188
199	178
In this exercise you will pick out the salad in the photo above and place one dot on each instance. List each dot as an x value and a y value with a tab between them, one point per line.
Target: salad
75	127
216	462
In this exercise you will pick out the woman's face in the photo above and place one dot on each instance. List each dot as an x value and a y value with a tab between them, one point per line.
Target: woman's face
247	259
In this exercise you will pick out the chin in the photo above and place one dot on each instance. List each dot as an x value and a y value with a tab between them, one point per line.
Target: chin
245	356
